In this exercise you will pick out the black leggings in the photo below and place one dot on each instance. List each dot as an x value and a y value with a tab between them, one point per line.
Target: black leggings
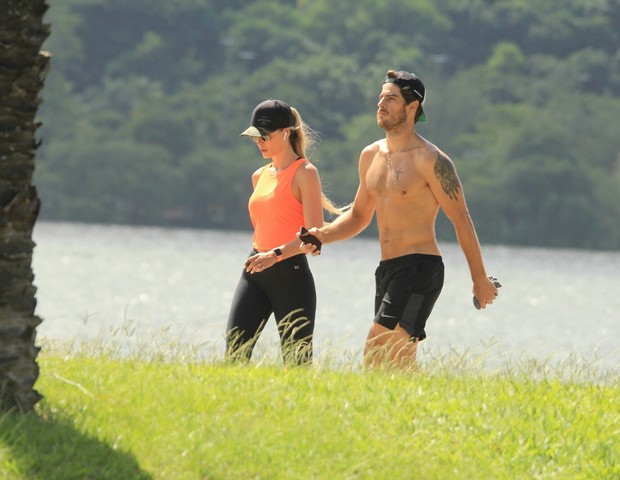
287	290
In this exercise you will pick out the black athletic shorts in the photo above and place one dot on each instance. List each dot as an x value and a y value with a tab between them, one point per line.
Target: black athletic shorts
407	288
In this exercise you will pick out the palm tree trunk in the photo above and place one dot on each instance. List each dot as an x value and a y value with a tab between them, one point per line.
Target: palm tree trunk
23	68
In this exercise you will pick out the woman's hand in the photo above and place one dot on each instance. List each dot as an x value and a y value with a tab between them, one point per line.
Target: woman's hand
309	245
260	262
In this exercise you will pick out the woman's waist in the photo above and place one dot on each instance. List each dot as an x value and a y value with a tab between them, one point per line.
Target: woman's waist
268	239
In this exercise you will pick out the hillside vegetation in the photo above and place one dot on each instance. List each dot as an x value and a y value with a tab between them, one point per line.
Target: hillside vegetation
146	100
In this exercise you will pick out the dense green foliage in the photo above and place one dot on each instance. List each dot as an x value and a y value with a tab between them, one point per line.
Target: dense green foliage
144	418
146	100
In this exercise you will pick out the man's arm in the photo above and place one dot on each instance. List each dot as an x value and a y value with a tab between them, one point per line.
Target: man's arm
444	182
358	217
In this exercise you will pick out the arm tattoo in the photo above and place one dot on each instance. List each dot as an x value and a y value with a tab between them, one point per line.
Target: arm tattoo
446	174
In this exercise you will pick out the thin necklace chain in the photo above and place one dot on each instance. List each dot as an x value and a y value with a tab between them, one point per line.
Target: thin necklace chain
397	173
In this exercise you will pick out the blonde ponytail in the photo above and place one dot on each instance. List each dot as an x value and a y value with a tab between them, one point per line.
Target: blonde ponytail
304	139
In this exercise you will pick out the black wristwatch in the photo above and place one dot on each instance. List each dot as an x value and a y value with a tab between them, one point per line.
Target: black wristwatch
278	253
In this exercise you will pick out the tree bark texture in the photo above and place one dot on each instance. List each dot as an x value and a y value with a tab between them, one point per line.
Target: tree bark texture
23	67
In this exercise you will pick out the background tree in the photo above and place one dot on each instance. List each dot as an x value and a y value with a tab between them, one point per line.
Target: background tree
525	97
23	68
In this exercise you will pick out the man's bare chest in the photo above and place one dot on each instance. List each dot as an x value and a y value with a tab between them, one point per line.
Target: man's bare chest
386	178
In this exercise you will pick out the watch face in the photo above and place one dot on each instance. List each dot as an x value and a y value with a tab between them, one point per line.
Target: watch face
278	252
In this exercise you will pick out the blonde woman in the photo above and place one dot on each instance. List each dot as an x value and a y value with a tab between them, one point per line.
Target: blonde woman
276	278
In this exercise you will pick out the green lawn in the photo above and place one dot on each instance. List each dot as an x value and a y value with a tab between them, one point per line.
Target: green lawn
104	417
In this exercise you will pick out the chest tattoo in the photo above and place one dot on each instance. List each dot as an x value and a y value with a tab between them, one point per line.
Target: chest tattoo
398	173
446	174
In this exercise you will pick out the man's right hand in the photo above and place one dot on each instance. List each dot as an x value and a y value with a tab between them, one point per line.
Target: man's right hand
308	247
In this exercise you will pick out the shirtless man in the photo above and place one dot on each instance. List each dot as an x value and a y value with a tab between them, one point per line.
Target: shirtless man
405	179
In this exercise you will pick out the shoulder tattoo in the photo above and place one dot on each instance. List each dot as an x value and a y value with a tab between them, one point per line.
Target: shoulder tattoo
446	174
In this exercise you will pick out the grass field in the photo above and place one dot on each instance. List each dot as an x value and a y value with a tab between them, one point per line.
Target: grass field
171	417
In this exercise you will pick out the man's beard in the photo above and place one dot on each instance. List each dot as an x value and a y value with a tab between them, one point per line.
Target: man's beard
393	125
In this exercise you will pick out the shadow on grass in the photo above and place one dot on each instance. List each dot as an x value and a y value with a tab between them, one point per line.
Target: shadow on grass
52	449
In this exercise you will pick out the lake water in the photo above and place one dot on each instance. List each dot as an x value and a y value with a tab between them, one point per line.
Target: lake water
139	285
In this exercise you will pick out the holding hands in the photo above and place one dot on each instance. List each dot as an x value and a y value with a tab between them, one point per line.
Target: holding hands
312	240
311	244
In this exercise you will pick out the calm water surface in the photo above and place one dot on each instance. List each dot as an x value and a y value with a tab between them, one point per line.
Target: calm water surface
138	285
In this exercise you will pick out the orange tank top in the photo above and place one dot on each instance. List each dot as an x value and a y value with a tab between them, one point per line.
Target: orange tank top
274	211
